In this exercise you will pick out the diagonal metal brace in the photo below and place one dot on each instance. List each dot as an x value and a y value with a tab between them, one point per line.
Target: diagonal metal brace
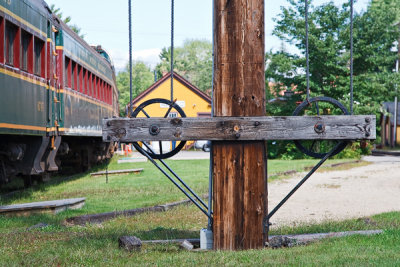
202	206
283	201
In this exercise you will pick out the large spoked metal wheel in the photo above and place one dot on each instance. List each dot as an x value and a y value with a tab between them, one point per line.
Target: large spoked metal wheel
171	109
320	106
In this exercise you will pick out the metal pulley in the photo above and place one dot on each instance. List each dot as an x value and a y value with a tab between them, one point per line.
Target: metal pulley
318	106
154	129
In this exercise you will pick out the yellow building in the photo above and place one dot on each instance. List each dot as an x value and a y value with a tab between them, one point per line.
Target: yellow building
194	102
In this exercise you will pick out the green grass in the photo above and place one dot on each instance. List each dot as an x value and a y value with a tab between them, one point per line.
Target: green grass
58	245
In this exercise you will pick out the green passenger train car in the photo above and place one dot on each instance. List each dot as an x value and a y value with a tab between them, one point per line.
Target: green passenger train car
54	91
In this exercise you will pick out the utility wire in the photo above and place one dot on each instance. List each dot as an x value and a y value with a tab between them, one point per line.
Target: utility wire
307	52
351	56
130	57
172	50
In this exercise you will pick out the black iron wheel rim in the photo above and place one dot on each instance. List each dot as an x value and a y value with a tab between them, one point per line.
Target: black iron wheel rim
172	105
303	106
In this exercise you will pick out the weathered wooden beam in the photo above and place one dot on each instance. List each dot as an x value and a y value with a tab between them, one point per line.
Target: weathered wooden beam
241	128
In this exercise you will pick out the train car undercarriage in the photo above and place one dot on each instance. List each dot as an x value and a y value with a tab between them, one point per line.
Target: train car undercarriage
35	158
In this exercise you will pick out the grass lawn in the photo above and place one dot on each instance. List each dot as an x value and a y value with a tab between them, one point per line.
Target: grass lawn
97	245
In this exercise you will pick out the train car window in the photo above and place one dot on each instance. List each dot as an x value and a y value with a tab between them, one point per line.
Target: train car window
101	90
93	86
11	39
109	94
2	38
84	81
89	85
39	60
81	83
78	78
27	53
97	88
73	75
67	73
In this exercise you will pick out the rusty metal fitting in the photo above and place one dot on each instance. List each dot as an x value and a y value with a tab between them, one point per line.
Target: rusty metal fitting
319	127
154	130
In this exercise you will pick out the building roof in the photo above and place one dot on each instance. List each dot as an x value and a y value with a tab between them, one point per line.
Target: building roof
177	77
389	107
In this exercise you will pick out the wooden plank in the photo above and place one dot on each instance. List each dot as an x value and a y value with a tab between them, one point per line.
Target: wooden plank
53	206
239	168
354	127
116	172
102	217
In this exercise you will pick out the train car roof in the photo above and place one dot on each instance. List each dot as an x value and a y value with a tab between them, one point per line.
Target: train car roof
40	5
67	29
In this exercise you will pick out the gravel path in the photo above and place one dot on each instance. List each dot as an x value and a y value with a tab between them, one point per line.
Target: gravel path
338	195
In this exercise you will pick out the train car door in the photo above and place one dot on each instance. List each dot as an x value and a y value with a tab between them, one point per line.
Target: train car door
54	112
54	115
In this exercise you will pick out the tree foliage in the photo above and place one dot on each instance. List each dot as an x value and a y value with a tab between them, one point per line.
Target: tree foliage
375	32
67	20
193	61
142	78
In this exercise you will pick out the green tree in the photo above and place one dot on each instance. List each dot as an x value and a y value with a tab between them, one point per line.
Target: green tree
193	61
142	78
375	32
67	20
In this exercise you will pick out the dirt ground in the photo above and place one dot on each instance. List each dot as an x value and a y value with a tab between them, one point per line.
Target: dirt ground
337	195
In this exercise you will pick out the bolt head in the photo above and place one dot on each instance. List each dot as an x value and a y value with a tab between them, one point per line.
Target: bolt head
154	130
319	127
367	120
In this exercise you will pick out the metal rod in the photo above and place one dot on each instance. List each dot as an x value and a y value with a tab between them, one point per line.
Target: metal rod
302	182
210	190
210	174
174	182
307	52
172	50
177	177
395	108
351	56
130	57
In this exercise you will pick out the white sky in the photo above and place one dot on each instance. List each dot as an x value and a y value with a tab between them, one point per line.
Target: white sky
105	22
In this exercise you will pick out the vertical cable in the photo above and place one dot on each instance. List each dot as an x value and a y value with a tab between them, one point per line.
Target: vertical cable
172	50
351	56
307	52
210	174
130	57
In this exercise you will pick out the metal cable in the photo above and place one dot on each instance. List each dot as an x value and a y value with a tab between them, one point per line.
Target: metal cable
351	56
130	57
307	52
172	50
210	173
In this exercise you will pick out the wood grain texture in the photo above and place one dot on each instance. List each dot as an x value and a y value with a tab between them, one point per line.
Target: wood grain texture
239	168
241	128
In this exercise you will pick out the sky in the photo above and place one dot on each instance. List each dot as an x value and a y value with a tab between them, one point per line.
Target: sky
105	23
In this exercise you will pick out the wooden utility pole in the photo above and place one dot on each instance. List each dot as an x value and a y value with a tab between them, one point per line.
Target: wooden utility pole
239	167
239	150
